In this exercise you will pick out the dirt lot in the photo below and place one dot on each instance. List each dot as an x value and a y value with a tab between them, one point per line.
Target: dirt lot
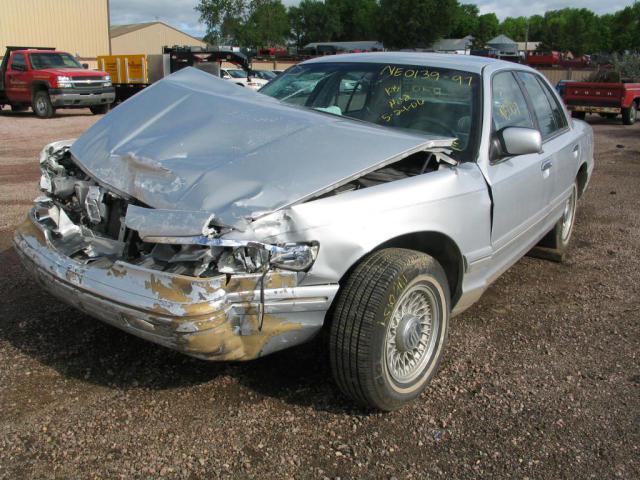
541	378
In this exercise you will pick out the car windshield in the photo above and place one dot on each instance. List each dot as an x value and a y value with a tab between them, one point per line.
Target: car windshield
265	75
419	99
237	73
40	61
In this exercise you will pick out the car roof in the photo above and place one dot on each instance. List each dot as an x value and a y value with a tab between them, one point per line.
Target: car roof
468	63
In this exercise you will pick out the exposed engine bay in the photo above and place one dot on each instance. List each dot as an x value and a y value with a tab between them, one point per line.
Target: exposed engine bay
90	223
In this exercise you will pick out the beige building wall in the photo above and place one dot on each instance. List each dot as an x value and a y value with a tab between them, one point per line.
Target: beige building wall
150	39
76	26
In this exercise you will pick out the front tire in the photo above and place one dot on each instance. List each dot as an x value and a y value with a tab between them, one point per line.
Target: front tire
99	109
629	114
42	106
389	328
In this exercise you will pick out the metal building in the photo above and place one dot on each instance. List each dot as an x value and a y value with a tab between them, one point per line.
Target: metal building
80	27
148	38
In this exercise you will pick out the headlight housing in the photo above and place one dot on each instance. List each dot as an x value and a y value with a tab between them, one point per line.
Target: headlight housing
258	257
298	257
64	81
107	81
241	256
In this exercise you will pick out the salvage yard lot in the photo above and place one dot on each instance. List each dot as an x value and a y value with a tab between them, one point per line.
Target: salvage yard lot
541	378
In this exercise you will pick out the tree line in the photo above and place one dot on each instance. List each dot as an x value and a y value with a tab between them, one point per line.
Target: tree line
412	24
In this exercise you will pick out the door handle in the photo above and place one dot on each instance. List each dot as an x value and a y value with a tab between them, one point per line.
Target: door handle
546	165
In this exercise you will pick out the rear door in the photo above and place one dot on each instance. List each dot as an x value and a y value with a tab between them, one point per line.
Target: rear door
563	149
520	185
17	79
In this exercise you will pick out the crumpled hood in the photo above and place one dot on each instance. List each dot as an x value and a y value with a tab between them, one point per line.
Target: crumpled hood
195	142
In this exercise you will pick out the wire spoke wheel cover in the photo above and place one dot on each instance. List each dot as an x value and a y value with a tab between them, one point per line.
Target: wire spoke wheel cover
412	333
390	327
568	216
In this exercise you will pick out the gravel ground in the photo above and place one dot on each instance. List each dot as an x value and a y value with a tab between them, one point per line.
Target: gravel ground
541	378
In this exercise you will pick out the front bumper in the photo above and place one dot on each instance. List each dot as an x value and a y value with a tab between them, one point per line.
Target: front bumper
72	97
216	318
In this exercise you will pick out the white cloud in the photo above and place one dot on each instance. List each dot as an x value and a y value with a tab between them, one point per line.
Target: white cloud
181	13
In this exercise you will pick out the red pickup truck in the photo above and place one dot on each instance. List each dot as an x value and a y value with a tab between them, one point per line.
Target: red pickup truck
45	79
607	99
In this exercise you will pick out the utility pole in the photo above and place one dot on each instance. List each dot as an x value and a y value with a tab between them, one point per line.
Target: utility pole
526	42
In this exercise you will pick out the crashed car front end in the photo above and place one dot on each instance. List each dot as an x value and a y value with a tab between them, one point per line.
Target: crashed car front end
134	268
189	234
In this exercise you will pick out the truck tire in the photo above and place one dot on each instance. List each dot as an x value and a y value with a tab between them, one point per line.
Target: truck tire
42	106
629	114
99	109
389	328
579	115
18	108
554	245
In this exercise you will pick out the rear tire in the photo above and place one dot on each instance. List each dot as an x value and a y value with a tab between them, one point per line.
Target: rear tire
629	114
554	245
99	109
42	106
579	115
389	328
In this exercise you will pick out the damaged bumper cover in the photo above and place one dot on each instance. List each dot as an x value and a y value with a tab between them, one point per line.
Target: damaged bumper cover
225	317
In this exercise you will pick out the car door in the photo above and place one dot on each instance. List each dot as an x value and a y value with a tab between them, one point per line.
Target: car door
520	185
17	79
558	139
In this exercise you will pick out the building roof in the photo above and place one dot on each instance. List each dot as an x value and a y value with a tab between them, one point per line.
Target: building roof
119	30
453	44
502	40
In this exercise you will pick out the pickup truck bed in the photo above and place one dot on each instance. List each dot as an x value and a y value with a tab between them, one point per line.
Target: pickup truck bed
607	99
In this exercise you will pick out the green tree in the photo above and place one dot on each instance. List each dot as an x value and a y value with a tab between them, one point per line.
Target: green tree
357	18
465	20
312	21
415	23
514	28
488	27
222	18
267	24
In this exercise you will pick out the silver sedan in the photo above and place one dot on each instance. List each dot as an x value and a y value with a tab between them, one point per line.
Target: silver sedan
371	195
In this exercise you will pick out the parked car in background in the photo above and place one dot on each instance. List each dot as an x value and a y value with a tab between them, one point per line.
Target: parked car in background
375	195
267	75
608	99
242	78
46	79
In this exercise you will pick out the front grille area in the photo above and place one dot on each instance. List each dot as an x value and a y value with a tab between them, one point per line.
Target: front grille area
87	82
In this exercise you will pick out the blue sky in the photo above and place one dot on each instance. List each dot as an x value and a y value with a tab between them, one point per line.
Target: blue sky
180	13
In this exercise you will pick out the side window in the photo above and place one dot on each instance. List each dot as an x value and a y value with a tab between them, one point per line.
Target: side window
558	110
18	59
547	120
509	107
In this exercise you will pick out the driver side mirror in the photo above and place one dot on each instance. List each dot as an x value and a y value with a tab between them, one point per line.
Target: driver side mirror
85	66
519	141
